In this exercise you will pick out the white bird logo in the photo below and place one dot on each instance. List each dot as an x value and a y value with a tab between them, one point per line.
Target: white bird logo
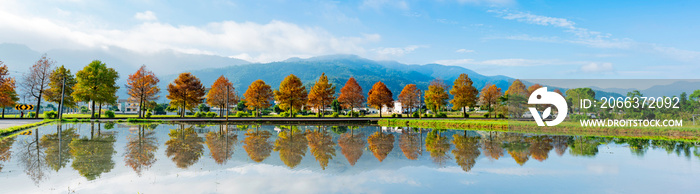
542	96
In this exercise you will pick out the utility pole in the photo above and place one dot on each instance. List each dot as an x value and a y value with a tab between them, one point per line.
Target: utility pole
60	106
227	91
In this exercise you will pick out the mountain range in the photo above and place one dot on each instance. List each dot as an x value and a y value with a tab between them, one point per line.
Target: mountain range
339	68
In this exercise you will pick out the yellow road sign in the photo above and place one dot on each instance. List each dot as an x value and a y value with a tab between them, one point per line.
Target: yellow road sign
24	107
27	132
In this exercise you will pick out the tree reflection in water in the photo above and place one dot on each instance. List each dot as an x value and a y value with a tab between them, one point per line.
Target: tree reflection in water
291	144
518	148
141	147
560	144
33	158
466	150
438	146
257	145
411	144
6	150
491	145
185	147
221	144
584	146
352	145
322	146
540	147
381	144
93	156
57	147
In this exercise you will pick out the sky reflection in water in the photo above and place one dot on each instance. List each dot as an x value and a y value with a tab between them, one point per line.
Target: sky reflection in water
118	158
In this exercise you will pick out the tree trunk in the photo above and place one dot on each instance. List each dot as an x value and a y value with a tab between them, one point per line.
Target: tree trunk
99	113
3	112
92	112
38	104
464	110
140	108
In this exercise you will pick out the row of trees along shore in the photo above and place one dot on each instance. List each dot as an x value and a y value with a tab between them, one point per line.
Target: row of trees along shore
96	85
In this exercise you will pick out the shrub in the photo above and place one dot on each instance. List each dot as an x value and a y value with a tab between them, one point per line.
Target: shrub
109	114
211	114
393	115
500	115
284	114
440	115
50	114
242	114
354	114
415	115
465	115
319	114
148	114
199	114
425	115
486	115
399	115
97	115
335	115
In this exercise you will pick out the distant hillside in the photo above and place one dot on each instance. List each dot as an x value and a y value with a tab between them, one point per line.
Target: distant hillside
339	68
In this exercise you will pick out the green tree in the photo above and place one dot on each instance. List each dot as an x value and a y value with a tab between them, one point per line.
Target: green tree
56	80
93	156
96	84
436	96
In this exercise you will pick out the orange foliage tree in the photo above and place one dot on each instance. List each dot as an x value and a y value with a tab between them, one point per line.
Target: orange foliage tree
292	145
517	88
257	144
292	94
380	96
436	96
464	93
321	144
351	94
258	96
409	97
8	95
410	145
489	95
321	93
220	90
352	145
186	92
532	89
184	147
380	144
142	87
221	145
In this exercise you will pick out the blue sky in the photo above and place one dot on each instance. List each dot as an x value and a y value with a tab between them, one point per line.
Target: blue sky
523	39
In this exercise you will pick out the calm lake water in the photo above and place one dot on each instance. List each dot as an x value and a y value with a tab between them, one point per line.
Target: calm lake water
118	158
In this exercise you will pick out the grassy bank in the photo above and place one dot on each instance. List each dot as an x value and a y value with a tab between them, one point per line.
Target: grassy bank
688	133
9	130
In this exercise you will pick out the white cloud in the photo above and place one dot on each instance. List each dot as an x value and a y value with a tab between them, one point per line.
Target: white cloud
583	35
146	16
276	40
396	51
464	51
597	67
